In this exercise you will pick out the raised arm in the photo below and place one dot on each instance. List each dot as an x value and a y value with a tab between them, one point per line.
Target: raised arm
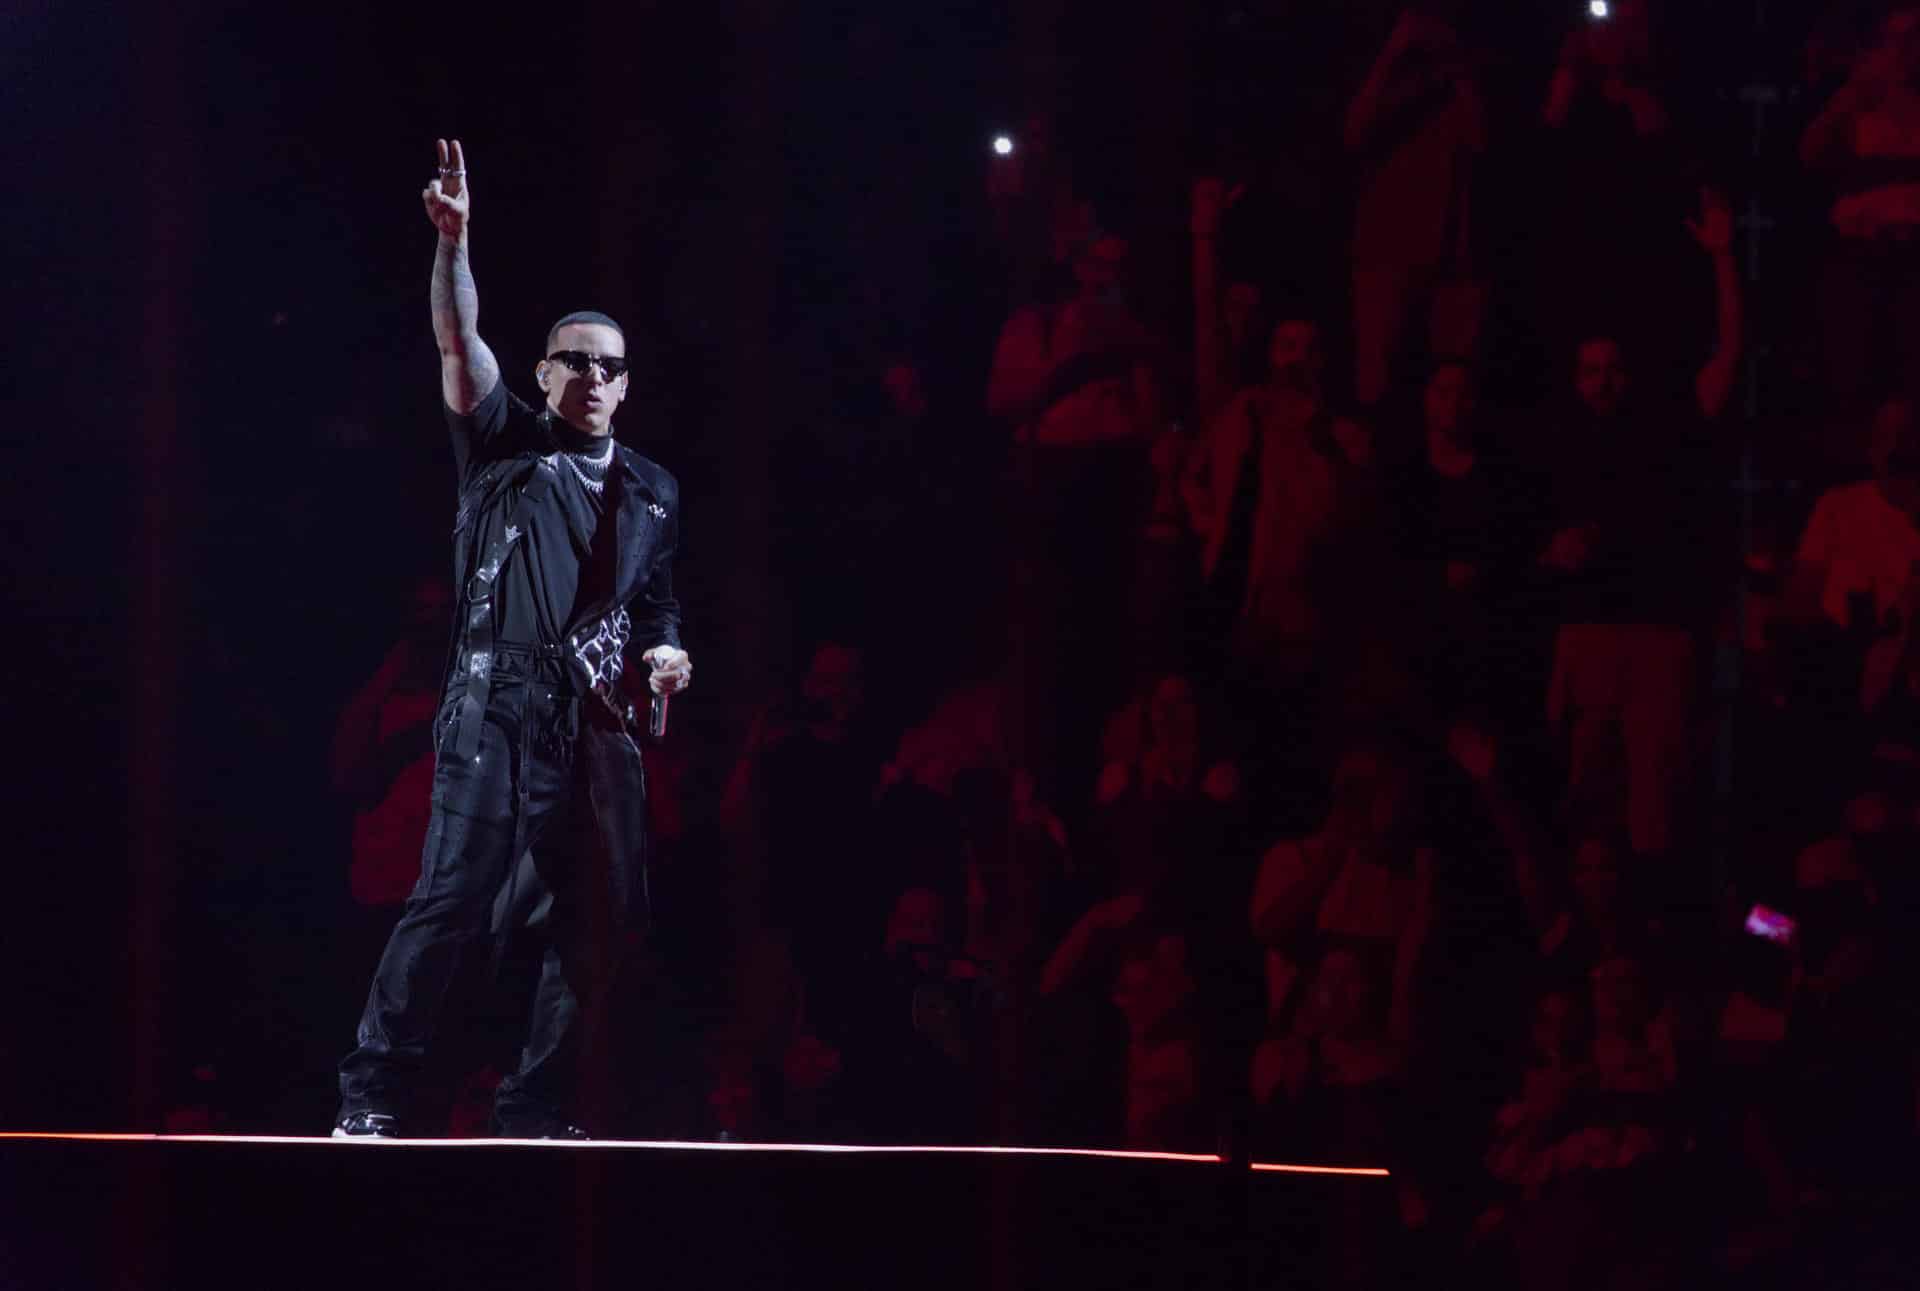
1828	138
1377	98
1212	362
1422	59
1714	232
1198	487
1474	751
1093	934
1287	892
468	370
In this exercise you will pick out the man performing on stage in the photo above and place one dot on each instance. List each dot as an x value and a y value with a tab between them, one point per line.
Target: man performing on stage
563	544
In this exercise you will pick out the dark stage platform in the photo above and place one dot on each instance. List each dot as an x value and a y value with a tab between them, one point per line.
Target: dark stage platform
147	1211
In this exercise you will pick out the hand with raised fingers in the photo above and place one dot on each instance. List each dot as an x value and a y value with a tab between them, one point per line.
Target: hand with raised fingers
1211	198
447	197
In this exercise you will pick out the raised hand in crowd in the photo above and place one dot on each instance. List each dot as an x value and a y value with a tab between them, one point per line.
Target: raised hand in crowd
1211	199
1214	343
1421	51
1882	72
1095	932
1713	231
1476	752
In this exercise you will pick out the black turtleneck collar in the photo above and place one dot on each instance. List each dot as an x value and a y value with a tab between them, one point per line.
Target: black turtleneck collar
570	440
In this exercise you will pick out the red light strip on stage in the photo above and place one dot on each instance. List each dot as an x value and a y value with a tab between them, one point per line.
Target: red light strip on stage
677	1145
871	1149
1366	1171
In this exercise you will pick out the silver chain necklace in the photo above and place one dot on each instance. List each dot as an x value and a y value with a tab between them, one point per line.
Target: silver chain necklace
592	477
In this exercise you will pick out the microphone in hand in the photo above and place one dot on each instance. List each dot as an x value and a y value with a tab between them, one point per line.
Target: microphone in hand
672	670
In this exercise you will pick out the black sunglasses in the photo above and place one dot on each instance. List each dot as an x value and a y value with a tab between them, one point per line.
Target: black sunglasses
578	361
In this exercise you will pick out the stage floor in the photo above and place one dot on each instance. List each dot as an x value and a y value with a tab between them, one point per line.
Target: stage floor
204	1211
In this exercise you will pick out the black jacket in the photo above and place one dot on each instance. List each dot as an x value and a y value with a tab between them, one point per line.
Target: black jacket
505	448
646	527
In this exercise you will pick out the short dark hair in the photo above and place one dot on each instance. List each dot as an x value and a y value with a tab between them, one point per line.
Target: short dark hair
590	316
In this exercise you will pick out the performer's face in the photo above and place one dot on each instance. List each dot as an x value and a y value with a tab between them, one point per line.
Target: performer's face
584	400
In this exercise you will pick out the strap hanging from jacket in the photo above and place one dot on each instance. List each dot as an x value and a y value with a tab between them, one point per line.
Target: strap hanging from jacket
479	598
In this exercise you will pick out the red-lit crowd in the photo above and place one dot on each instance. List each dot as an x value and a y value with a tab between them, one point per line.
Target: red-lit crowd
1405	731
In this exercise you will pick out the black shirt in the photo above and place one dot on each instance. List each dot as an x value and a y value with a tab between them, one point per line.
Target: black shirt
1479	518
1644	482
565	558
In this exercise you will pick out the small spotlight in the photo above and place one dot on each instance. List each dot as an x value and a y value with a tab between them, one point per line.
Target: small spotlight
1003	143
1597	9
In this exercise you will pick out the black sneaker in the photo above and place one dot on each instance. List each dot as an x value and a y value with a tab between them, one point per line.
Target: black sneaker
367	1125
536	1126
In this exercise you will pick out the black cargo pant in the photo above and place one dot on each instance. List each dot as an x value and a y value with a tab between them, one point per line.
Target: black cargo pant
554	781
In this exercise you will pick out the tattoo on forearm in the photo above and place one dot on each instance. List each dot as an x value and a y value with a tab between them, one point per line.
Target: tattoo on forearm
456	301
456	314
